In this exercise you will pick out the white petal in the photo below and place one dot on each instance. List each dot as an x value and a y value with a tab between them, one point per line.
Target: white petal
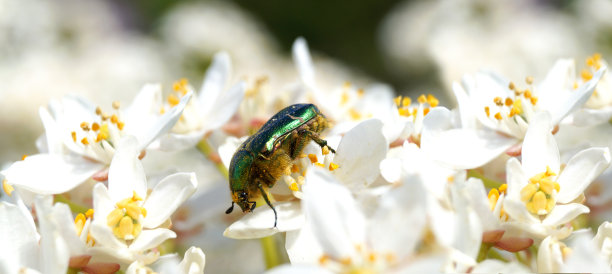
465	148
104	236
50	173
549	256
391	169
225	107
102	203
359	167
399	208
53	138
298	269
438	118
496	266
585	117
585	258
468	119
176	142
167	196
126	173
302	246
561	76
217	76
162	125
54	250
518	211
333	214
515	178
144	109
19	239
562	214
580	171
539	147
260	223
303	61
193	261
576	98
151	238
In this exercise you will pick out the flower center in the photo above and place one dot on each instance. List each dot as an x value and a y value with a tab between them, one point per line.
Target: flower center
102	130
124	220
494	198
406	109
539	194
512	105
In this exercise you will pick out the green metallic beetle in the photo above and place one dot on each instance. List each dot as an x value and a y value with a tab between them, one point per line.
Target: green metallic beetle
263	158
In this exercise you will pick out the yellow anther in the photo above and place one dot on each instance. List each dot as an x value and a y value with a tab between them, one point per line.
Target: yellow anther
319	164
73	134
529	80
323	259
590	61
294	187
557	186
344	98
325	150
302	155
527	93
493	197
498	101
597	56
89	213
487	111
508	102
173	100
85	126
116	104
397	100
23	157
404	112
295	168
85	141
498	116
533	100
372	257
114	119
143	211
79	223
135	196
527	192
539	203
313	158
422	99
346	261
333	166
432	100
104	116
406	101
517	108
114	217
575	86
8	189
360	92
425	111
355	115
98	111
414	112
125	229
162	110
503	188
133	210
547	186
450	179
120	125
95	126
586	75
511	86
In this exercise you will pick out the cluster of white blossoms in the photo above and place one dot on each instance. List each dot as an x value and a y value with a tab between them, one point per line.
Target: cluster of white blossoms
498	184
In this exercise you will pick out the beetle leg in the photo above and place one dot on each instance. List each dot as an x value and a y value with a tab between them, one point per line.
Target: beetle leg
265	196
253	205
315	137
229	210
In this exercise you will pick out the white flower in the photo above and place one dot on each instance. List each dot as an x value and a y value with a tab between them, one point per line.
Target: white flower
19	237
80	140
211	108
542	196
127	218
598	109
500	111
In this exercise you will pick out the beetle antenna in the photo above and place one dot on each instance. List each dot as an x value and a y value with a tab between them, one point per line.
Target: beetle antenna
229	210
265	196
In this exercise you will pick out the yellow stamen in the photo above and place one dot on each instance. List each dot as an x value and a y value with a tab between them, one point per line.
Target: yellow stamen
23	157
333	166
120	125
586	75
95	126
313	158
98	111
85	126
114	119
73	134
344	98
8	189
493	197
404	112
529	80
422	99
85	141
125	228
114	217
527	192
539	202
89	213
79	223
425	111
319	164
116	104
325	150
295	168
294	187
508	102
397	100
498	116
406	101
323	259
498	101
503	188
432	100
511	86
173	100
487	111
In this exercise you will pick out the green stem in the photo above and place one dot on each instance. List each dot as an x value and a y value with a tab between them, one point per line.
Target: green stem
520	258
75	208
493	254
272	256
489	183
483	252
208	151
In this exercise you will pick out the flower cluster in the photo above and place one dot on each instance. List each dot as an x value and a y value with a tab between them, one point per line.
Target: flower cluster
510	180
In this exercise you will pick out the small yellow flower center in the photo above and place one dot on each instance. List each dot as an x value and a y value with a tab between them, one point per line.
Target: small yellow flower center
365	262
96	132
406	109
124	220
539	194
